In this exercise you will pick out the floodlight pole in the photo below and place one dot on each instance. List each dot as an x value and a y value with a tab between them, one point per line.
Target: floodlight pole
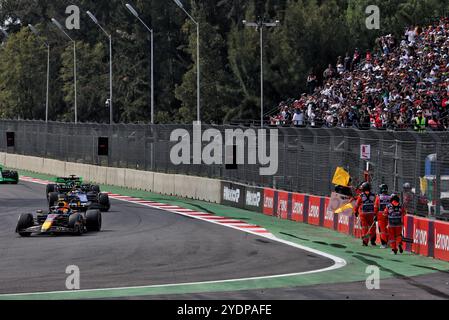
150	30
59	26
109	36
198	98
260	25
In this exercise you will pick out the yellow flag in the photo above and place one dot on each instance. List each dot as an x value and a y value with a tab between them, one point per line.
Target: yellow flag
423	185
344	208
341	177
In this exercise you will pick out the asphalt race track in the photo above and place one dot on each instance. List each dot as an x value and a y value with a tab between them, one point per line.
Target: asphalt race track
138	246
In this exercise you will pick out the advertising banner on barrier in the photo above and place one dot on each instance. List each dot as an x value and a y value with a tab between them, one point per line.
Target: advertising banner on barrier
314	210
299	205
253	199
441	247
232	194
357	229
420	236
408	230
268	201
344	224
282	205
329	216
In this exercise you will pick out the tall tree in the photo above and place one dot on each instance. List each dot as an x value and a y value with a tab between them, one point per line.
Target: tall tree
22	77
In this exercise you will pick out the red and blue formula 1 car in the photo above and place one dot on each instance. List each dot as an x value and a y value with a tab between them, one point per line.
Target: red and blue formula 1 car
60	219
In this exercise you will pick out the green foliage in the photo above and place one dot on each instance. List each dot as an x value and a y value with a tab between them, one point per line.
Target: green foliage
92	82
313	33
22	69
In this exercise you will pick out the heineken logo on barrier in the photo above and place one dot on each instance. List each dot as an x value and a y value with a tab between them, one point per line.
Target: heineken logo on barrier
253	198
232	195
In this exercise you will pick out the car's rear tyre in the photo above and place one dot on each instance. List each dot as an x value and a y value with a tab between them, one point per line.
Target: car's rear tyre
93	220
76	223
50	188
53	198
15	176
103	200
26	221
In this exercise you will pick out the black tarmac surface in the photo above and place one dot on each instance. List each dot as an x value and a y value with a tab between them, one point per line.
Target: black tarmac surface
137	246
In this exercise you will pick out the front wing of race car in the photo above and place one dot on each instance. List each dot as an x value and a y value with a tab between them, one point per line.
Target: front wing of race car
51	230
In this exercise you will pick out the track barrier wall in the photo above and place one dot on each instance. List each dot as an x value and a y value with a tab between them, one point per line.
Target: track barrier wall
307	157
186	186
430	237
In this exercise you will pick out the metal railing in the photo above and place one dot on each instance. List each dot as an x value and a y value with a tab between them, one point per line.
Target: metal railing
307	156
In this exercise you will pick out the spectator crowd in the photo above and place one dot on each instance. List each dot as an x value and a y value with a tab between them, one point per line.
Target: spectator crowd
401	84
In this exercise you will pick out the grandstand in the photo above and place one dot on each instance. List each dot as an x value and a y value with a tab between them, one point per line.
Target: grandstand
388	88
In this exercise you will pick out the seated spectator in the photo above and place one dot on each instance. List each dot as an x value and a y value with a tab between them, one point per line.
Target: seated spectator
329	72
298	118
311	83
434	123
399	85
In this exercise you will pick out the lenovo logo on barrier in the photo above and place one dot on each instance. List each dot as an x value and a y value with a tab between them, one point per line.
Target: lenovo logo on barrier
253	199
298	208
282	205
329	215
343	219
268	202
314	212
232	195
420	237
442	242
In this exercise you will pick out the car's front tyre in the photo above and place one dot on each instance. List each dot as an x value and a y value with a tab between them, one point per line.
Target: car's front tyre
26	221
76	224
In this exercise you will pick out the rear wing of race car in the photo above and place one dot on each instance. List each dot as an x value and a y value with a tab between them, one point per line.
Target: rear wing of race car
71	179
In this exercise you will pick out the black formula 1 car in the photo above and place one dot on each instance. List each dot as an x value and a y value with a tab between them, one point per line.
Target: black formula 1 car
60	219
73	190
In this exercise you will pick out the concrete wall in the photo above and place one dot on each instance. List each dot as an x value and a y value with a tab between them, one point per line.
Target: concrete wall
168	184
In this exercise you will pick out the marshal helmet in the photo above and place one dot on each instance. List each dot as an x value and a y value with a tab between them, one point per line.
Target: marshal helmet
366	186
395	197
383	188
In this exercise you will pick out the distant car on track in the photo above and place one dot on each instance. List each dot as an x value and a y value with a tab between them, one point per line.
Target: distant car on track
73	190
62	218
8	176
